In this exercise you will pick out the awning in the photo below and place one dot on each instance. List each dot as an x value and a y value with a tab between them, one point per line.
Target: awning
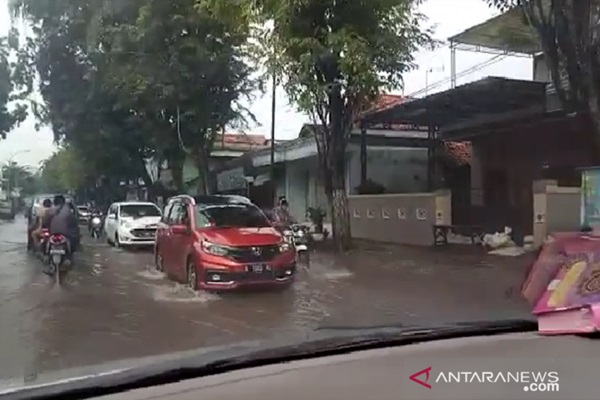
483	99
508	32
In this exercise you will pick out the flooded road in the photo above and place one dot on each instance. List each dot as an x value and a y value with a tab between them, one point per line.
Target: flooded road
114	306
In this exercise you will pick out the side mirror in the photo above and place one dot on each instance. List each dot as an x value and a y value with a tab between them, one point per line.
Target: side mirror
181	229
112	216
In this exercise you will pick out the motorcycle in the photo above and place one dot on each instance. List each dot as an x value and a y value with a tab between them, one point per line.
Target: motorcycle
298	237
43	245
58	250
96	226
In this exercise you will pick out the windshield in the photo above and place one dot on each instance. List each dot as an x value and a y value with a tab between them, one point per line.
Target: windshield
270	168
139	211
230	215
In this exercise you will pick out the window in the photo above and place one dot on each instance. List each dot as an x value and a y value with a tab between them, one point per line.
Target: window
179	214
173	213
167	209
139	210
230	215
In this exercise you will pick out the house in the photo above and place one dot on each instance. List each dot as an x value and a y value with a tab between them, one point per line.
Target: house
396	157
516	131
226	147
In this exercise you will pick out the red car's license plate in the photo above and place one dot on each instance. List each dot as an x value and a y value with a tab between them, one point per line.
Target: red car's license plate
258	268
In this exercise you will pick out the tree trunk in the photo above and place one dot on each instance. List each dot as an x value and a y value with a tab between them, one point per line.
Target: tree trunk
205	182
340	214
176	168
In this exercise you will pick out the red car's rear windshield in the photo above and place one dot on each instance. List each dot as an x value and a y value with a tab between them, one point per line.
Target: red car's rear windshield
230	215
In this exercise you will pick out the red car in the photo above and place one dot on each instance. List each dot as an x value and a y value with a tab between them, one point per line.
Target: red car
220	243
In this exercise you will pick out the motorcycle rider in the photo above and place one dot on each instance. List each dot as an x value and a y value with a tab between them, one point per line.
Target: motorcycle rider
64	222
282	218
94	212
42	221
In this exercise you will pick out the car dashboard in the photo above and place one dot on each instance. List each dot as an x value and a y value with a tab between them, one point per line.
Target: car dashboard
560	367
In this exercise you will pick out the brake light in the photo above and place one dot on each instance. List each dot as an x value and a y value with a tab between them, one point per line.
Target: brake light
57	237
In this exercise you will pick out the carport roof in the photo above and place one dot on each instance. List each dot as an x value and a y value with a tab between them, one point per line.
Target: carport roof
508	32
486	97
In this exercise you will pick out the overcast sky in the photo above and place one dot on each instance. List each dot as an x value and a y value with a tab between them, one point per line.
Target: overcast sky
28	146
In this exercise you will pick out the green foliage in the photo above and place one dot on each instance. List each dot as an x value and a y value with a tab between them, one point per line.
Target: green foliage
127	80
363	47
9	118
63	171
18	176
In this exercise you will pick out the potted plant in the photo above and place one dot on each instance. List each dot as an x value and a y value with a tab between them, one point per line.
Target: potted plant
316	215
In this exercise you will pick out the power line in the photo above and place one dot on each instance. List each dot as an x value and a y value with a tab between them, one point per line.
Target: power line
469	71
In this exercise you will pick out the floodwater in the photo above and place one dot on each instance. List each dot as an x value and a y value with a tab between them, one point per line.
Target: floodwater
113	305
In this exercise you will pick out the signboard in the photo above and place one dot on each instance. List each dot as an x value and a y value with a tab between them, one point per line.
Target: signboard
590	198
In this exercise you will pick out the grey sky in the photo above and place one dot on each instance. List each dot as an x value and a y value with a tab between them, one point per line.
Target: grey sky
29	147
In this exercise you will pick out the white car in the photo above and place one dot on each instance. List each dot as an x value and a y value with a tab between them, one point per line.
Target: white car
132	223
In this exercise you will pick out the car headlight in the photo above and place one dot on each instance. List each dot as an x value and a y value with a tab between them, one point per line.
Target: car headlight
125	224
214	249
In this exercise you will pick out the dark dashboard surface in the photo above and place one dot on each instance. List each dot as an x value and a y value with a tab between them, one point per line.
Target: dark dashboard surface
512	366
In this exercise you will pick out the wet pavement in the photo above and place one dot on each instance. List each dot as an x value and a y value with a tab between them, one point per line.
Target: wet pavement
114	306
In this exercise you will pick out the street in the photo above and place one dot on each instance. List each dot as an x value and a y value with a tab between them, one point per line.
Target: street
114	306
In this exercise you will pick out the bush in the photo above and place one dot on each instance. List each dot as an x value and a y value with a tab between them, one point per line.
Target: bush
370	187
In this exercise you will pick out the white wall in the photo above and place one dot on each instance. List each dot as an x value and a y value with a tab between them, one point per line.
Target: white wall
400	170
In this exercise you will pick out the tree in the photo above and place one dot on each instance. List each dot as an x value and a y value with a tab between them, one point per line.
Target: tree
67	58
17	176
568	32
192	66
334	58
64	171
8	118
128	80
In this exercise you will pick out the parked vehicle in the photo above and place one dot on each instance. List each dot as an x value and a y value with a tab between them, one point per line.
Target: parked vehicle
7	204
132	223
221	243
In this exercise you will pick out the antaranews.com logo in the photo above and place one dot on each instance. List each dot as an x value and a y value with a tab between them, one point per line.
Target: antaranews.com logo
531	381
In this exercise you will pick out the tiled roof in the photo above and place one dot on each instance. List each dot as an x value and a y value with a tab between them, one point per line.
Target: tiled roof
458	152
238	138
386	101
238	141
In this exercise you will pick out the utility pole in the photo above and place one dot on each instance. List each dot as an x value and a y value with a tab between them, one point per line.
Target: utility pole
427	72
273	106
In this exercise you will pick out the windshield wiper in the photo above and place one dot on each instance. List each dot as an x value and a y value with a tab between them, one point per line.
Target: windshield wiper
316	344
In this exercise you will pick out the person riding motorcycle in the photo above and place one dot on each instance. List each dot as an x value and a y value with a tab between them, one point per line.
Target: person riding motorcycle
95	212
282	218
64	222
42	221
